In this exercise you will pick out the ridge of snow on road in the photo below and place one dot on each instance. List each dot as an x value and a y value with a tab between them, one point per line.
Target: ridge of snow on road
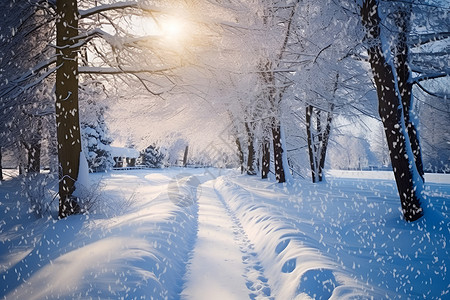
294	269
341	240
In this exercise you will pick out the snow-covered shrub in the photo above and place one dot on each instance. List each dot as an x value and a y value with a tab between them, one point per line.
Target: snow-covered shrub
92	200
152	157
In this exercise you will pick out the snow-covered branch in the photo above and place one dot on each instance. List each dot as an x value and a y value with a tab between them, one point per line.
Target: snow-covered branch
119	5
320	52
28	75
122	70
422	39
430	76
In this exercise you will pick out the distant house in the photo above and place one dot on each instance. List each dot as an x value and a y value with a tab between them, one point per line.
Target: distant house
124	157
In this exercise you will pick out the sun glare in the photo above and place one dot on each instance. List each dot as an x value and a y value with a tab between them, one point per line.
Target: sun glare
172	28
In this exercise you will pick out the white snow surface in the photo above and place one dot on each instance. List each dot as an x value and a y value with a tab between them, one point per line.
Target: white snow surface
182	233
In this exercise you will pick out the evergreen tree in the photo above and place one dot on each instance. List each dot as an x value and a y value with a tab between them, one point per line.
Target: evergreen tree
152	157
96	144
95	136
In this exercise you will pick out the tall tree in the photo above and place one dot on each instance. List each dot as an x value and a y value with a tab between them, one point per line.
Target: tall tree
67	108
317	140
402	17
408	179
73	31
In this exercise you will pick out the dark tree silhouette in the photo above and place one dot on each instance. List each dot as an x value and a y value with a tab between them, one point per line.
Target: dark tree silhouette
409	182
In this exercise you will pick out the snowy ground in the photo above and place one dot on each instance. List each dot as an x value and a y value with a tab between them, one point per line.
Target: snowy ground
210	234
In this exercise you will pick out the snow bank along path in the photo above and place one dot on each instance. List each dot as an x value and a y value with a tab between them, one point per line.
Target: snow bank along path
139	253
295	270
344	239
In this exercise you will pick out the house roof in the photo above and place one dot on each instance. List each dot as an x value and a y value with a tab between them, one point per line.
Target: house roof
124	152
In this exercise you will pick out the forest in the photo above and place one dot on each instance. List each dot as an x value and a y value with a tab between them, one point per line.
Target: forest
320	129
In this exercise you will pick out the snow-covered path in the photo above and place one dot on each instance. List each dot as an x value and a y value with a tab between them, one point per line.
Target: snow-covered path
216	267
223	265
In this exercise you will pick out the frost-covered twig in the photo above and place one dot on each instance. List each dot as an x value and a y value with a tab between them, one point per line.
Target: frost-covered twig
438	95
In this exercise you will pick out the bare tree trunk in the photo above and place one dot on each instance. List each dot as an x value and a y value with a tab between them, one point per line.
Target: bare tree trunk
391	112
251	159
34	148
22	156
278	153
1	166
34	157
240	154
269	80
265	159
185	156
324	145
310	139
404	75
67	112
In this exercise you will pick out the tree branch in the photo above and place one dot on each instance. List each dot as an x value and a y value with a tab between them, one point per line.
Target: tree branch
422	39
27	75
119	5
320	52
431	76
117	71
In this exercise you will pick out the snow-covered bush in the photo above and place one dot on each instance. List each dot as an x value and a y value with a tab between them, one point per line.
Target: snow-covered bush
152	157
89	197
